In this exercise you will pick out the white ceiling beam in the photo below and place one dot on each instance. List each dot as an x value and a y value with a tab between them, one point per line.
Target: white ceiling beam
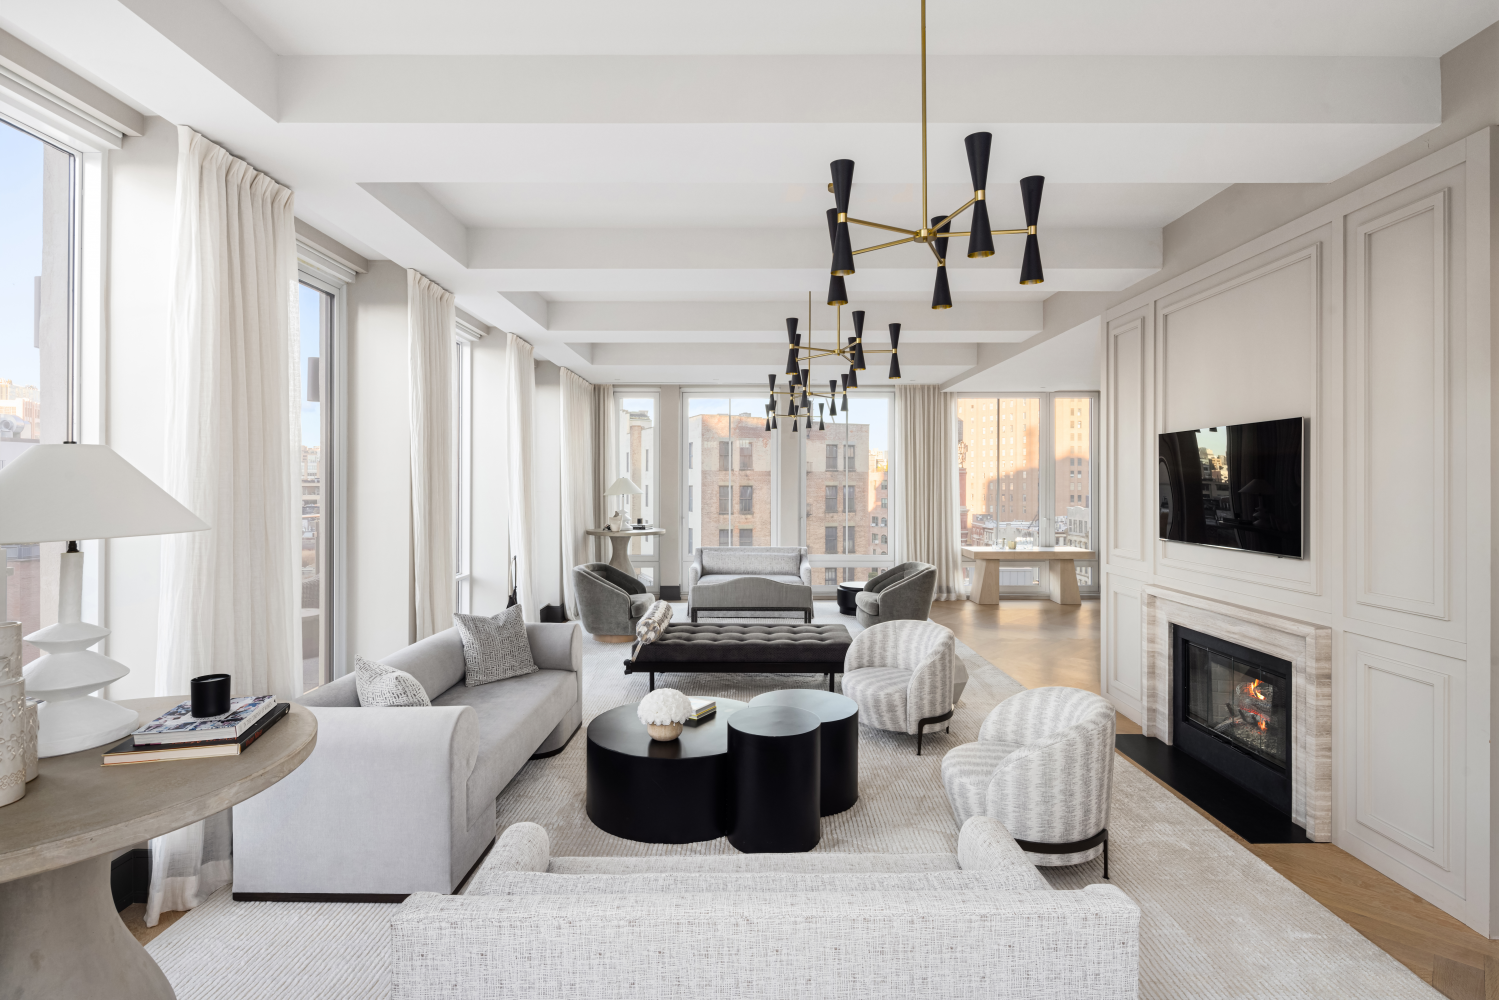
560	249
774	89
425	214
522	313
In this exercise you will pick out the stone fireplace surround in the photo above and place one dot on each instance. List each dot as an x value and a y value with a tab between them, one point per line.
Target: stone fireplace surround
1308	648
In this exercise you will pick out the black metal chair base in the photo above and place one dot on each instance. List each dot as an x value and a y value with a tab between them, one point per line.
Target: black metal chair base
1076	847
921	727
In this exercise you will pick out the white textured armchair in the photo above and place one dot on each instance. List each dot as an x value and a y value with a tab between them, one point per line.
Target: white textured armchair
1044	767
900	674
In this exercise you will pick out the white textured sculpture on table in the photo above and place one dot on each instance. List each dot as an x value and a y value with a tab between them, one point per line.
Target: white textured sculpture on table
663	711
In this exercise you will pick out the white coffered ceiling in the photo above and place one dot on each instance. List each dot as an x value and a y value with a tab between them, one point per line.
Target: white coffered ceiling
639	188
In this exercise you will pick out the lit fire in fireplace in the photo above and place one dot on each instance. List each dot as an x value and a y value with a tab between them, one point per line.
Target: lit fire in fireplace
1253	703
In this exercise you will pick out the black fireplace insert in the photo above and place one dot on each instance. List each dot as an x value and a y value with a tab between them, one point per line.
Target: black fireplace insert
1232	709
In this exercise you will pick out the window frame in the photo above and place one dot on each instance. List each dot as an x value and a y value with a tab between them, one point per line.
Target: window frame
1046	495
685	395
317	270
814	547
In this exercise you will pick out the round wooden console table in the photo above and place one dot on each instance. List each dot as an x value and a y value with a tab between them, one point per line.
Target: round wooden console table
60	935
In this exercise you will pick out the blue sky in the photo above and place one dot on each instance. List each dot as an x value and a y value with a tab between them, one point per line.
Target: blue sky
20	252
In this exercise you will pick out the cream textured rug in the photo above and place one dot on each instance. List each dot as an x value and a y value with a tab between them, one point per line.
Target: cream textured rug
1218	924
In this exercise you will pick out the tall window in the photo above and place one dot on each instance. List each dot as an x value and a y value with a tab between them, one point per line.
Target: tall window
635	422
847	486
37	191
732	428
1025	471
315	322
463	416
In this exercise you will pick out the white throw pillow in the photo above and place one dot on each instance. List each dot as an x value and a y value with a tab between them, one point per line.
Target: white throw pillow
496	648
380	686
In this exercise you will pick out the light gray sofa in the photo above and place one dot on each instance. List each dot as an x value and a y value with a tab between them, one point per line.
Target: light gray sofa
725	579
901	593
981	923
610	601
400	800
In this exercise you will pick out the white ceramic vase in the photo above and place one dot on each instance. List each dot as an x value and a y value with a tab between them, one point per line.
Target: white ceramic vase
33	728
12	740
664	733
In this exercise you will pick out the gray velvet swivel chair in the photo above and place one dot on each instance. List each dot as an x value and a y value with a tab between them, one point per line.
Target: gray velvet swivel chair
901	593
610	601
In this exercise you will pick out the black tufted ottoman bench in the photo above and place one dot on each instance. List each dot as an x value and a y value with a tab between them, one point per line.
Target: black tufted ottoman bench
733	649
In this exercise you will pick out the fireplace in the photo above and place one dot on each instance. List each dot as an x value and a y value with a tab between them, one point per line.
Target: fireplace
1232	711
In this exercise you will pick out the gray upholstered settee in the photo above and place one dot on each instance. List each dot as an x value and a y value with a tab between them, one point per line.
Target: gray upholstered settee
725	579
610	601
400	800
901	593
981	924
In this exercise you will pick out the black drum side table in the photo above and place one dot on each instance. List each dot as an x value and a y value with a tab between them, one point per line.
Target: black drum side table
775	758
846	593
839	740
660	792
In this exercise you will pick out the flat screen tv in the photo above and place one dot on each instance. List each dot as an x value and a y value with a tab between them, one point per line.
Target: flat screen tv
1238	486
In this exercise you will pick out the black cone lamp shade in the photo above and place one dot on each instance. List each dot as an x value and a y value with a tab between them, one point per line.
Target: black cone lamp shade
820	425
845	392
941	294
772	387
853	377
894	347
1030	197
791	322
843	251
837	291
858	347
857	340
980	240
833	392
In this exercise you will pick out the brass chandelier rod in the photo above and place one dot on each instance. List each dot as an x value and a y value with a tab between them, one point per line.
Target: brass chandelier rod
935	232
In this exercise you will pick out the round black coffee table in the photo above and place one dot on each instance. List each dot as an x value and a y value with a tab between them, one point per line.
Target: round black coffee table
839	736
775	758
672	792
846	593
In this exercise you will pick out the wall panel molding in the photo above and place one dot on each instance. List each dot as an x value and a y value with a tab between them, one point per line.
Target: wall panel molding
1401	397
1129	445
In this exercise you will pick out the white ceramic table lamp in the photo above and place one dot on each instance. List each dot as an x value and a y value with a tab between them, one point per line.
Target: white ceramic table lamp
63	493
623	487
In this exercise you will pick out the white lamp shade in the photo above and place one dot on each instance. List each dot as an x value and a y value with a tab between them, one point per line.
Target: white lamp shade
71	492
624	486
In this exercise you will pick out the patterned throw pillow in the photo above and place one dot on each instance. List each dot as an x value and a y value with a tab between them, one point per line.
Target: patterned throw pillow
653	622
380	686
494	648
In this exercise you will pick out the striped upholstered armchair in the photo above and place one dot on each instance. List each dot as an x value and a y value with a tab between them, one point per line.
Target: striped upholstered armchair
1044	767
900	674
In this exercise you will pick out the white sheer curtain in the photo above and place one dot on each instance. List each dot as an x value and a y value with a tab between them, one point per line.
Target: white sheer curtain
230	596
429	346
520	372
578	484
603	454
926	482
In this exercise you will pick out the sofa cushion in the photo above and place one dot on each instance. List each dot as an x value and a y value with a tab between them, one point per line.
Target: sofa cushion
881	693
521	883
515	717
717	578
494	648
436	661
868	602
752	561
381	686
966	771
640	604
823	863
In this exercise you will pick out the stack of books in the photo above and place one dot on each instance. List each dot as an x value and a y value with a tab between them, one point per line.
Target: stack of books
176	735
702	710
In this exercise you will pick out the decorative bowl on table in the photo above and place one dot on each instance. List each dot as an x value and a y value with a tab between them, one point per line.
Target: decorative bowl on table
663	712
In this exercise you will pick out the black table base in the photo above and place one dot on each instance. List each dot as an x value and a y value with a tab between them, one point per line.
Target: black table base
839	736
776	761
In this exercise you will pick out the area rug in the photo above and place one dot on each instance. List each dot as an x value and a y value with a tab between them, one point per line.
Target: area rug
1217	924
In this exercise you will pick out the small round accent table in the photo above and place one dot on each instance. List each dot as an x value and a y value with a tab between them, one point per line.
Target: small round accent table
839	739
61	935
846	592
776	759
659	792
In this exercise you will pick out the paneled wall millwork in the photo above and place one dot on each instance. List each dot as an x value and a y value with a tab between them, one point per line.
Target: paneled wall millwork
1371	318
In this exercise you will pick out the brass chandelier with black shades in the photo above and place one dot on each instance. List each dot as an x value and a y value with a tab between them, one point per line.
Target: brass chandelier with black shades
935	231
799	392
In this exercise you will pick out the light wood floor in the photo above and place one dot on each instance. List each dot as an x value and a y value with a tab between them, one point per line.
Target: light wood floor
1040	643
